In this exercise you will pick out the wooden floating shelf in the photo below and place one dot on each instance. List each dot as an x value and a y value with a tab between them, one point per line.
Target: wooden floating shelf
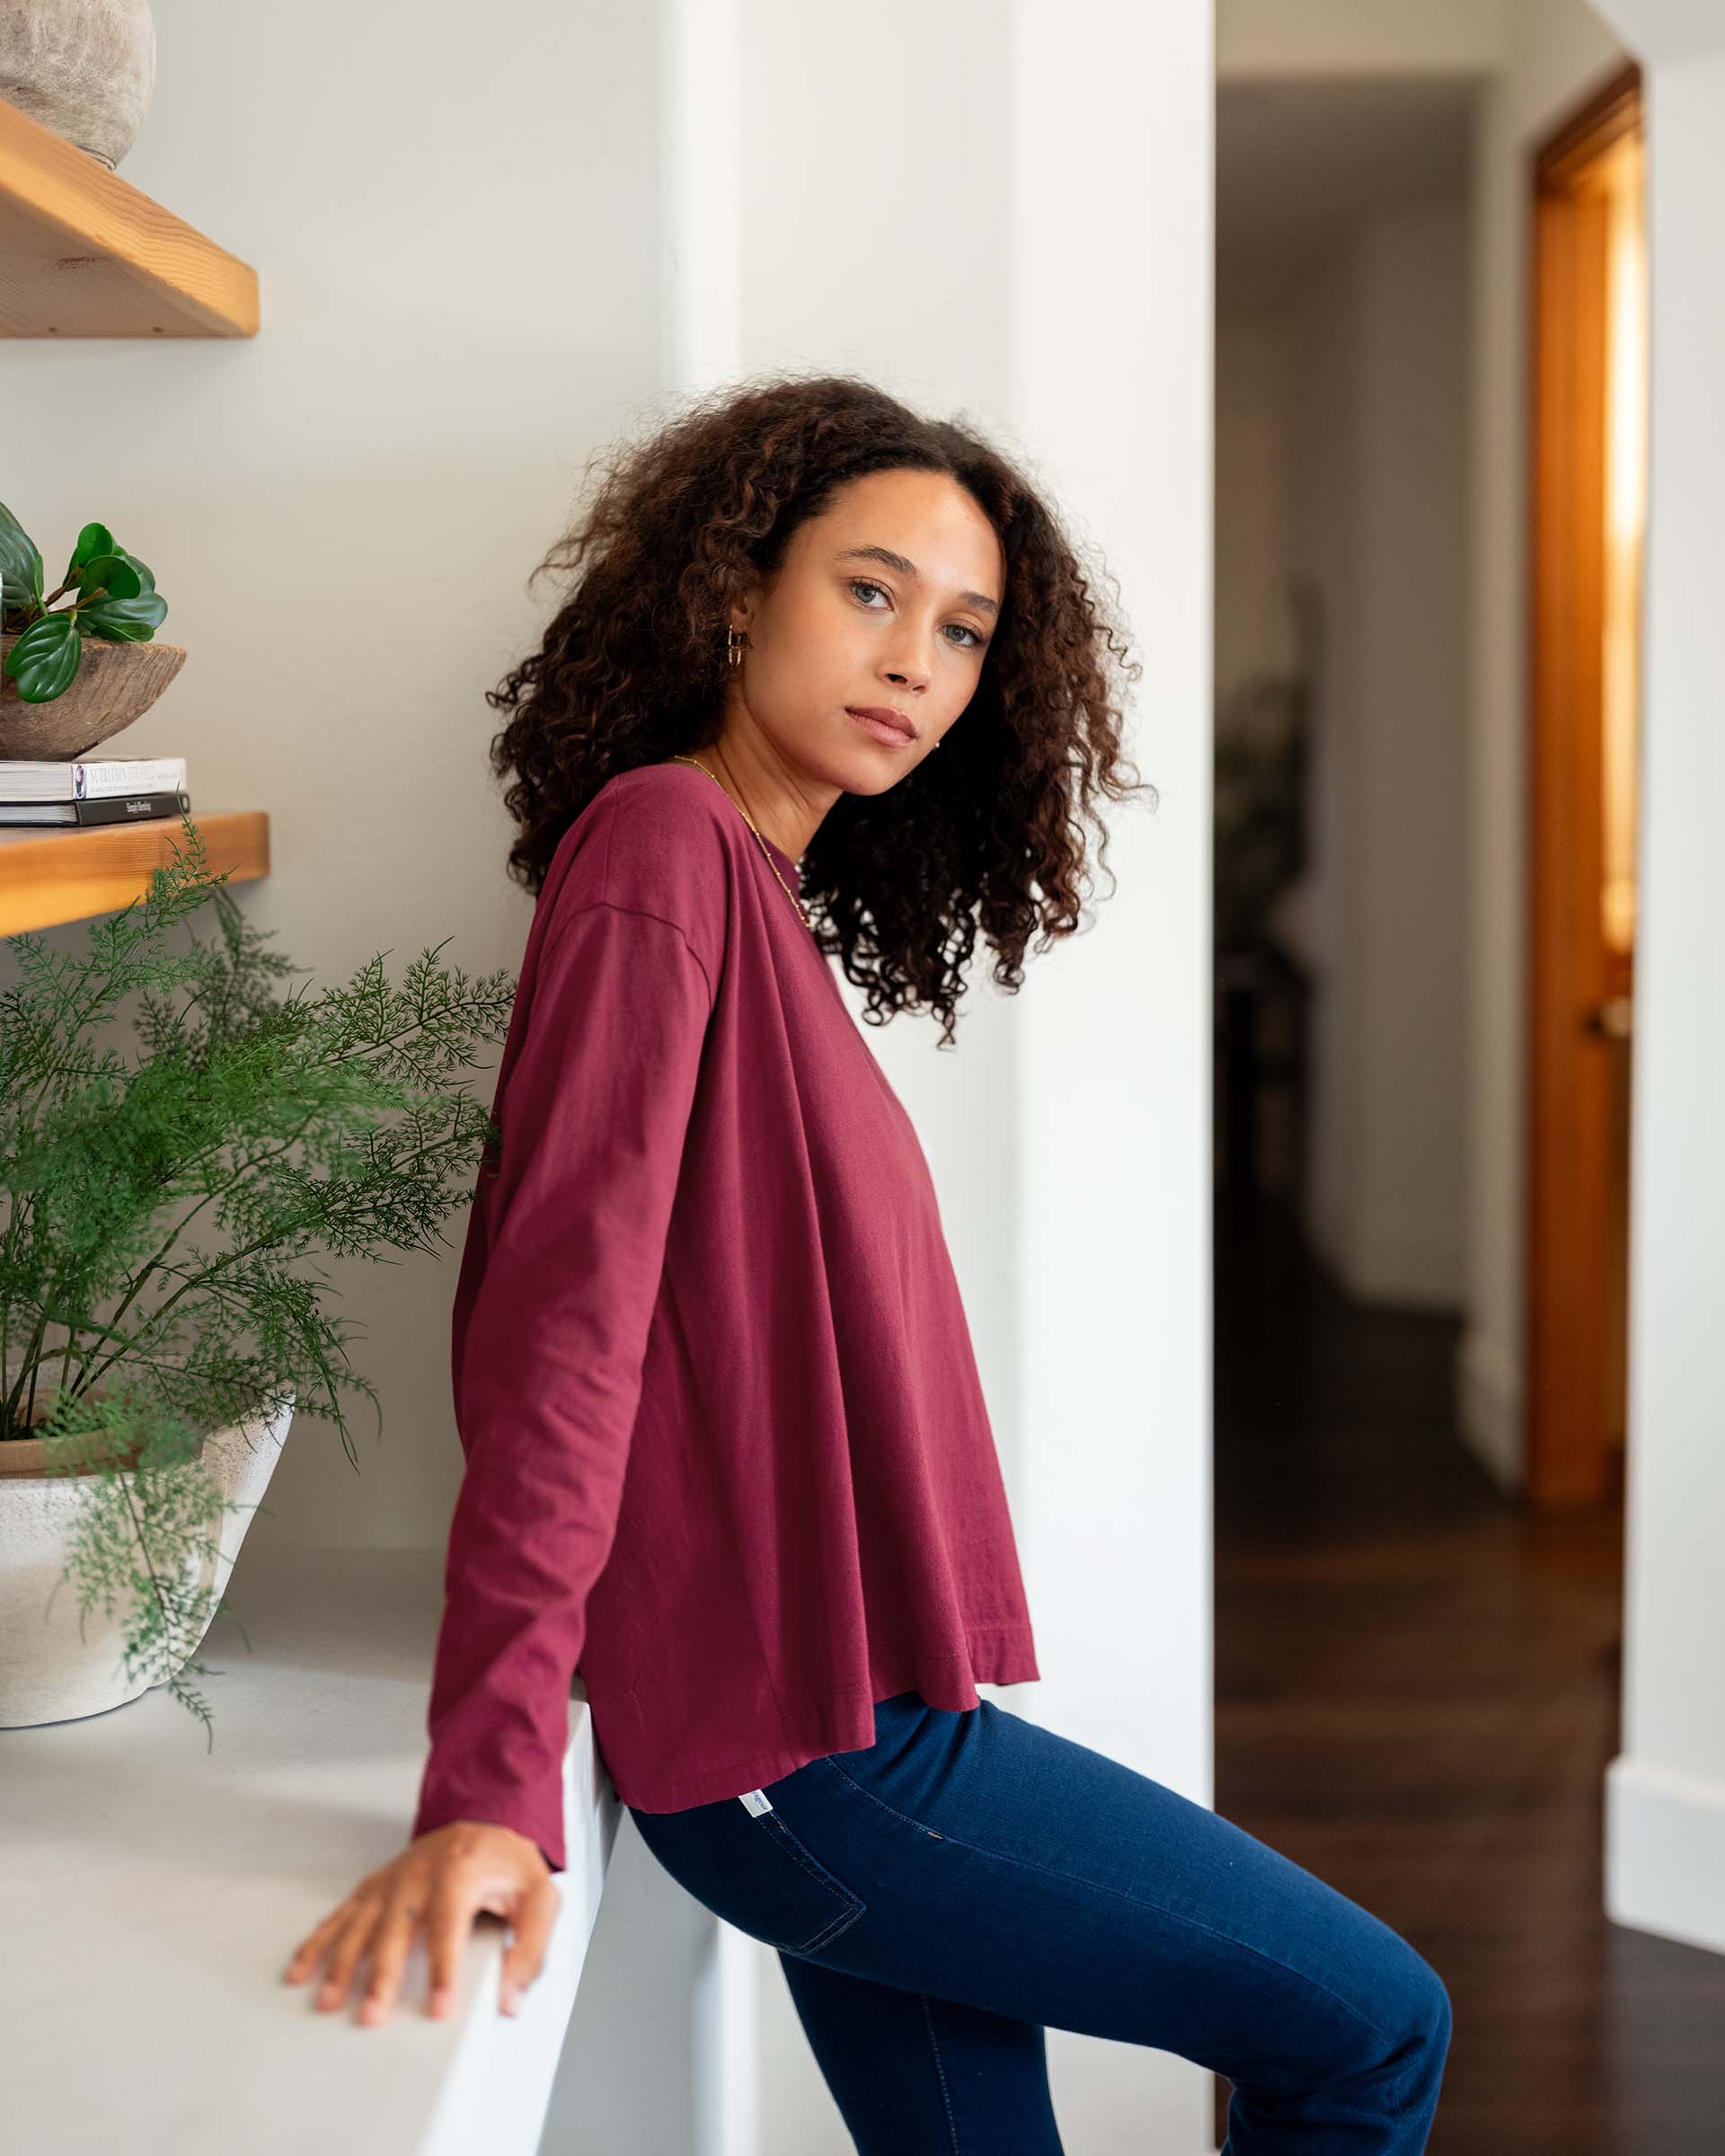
59	872
85	254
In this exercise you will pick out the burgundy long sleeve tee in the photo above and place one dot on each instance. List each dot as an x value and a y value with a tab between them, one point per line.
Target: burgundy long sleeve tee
726	1448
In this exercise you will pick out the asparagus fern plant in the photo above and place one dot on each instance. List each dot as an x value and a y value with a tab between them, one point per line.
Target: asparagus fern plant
278	1126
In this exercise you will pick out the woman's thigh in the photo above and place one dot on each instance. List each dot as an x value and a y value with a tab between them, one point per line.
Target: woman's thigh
977	1859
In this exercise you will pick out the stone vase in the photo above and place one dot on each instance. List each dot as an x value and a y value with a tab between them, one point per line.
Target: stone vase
55	1665
87	68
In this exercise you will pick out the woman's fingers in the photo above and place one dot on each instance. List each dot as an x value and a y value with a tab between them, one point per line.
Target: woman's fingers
531	1920
445	1936
351	1942
309	1952
391	1942
443	1881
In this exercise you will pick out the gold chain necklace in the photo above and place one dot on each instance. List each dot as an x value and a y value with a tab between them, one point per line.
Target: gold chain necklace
759	841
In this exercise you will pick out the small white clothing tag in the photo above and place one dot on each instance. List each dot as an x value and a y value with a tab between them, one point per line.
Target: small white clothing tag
756	1801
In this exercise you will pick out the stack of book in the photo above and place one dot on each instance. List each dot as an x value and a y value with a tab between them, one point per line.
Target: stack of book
124	790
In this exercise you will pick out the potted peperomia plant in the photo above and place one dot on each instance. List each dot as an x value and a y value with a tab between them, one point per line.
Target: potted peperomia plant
161	1214
93	658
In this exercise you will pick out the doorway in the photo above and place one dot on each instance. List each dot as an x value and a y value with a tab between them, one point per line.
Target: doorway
1587	483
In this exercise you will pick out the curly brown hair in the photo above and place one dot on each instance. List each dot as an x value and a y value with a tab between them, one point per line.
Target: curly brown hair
632	671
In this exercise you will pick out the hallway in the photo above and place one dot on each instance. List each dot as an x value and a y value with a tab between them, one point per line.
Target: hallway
1417	1694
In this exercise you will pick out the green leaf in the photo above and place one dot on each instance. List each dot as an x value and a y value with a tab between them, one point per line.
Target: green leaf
130	620
21	566
110	574
45	659
95	539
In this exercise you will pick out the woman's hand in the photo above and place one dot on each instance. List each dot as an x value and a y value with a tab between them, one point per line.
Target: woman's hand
442	1880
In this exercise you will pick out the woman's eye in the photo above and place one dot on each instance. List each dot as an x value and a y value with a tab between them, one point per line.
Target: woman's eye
866	584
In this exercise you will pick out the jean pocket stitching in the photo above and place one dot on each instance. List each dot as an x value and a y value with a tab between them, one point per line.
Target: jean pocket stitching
891	1810
851	1904
842	1921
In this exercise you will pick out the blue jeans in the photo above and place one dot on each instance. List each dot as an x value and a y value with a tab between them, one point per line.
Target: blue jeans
970	1879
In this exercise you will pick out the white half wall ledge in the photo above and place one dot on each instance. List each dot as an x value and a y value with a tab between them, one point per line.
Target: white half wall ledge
152	1889
1665	1853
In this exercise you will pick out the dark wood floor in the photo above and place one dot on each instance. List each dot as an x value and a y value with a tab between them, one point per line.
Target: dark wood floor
1417	1694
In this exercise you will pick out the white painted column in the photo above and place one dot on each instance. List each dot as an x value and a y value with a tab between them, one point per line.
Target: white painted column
1665	1817
701	280
1111	230
701	287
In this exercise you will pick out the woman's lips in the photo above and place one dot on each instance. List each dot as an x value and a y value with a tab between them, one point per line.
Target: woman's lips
894	737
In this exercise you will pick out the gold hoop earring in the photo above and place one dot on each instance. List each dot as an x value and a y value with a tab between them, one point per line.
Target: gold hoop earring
735	640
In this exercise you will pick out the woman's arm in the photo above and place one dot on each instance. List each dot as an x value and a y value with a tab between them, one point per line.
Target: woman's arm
547	1359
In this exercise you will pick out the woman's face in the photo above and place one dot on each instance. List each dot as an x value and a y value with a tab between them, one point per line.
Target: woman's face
887	599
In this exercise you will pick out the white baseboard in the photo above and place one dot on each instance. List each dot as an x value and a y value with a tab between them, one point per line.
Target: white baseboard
1665	1853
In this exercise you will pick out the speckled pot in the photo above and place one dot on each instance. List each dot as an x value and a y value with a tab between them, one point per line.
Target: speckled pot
87	68
55	1666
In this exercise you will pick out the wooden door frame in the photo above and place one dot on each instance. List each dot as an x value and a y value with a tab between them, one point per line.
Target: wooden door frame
1567	1461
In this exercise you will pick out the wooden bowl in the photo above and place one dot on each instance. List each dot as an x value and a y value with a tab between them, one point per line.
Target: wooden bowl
114	684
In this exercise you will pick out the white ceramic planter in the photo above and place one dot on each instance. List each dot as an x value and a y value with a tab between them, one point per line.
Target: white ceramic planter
56	1666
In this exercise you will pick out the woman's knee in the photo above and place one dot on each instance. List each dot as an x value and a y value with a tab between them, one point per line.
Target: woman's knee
1389	2064
1416	2019
1399	2015
1430	2015
1442	2015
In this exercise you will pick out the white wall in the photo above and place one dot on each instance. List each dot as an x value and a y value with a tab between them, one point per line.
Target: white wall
1410	806
1255	449
1377	409
1321	541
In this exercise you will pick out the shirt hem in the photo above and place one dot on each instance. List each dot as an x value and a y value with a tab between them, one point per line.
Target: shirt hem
842	1720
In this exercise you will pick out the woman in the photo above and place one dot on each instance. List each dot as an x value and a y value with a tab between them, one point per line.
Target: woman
726	1446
